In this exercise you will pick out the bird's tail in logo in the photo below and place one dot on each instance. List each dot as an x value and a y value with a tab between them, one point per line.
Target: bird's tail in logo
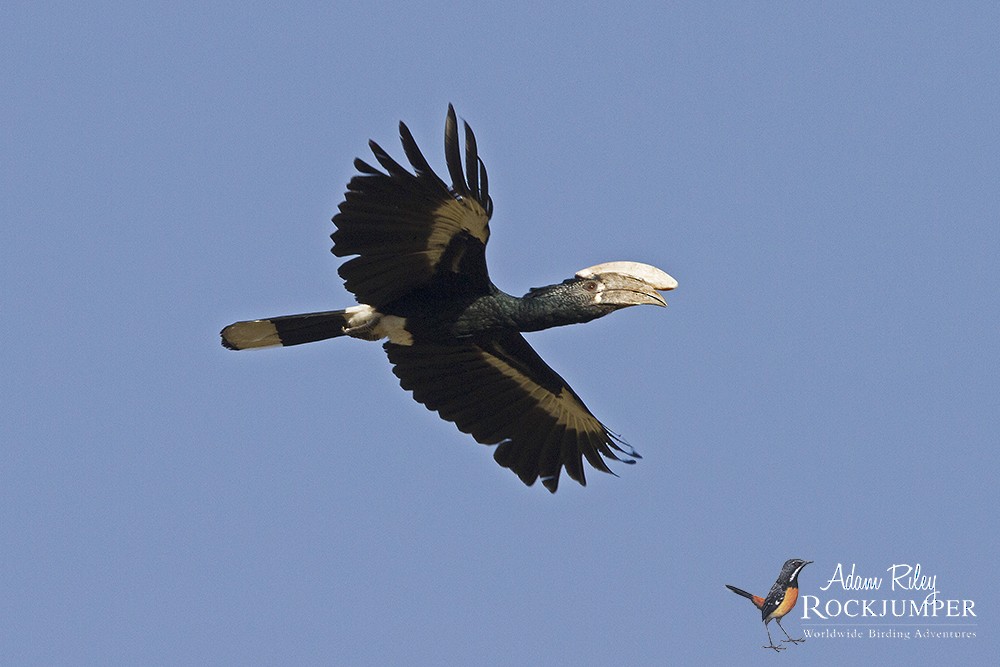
756	599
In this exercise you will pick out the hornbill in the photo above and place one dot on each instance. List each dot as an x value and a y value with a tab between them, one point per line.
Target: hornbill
419	274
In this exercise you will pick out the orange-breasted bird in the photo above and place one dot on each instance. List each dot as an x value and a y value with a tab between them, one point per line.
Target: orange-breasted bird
779	600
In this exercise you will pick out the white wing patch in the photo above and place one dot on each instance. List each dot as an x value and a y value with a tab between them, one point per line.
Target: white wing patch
393	327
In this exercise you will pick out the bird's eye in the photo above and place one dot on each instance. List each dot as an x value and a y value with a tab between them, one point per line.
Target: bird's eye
590	285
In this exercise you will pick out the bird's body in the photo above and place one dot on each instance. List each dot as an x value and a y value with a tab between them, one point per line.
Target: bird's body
780	599
419	274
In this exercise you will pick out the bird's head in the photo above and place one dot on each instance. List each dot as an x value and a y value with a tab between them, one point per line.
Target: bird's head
593	292
792	567
623	284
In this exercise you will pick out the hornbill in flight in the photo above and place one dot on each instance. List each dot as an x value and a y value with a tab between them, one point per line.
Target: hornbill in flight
419	273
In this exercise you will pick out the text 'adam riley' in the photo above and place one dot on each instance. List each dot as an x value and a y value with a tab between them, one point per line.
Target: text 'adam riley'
902	577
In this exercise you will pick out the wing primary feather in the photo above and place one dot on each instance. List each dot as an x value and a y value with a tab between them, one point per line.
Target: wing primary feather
366	168
416	157
617	442
390	165
471	162
484	189
592	451
452	155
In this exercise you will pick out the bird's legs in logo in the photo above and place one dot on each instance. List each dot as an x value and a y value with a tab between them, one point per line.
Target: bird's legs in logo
770	642
790	639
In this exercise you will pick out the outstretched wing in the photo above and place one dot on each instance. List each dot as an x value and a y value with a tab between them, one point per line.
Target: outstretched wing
501	392
409	229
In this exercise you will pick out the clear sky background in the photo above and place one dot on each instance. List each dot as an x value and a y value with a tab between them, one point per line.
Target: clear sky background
822	180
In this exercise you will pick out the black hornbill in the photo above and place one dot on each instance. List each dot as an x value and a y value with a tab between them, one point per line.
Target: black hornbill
454	339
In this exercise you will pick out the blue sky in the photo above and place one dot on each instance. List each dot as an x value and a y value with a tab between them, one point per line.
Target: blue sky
821	180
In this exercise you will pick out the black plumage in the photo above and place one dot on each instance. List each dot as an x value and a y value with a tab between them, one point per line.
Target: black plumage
418	268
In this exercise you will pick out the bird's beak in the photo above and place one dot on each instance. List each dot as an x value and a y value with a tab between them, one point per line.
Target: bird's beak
630	283
625	291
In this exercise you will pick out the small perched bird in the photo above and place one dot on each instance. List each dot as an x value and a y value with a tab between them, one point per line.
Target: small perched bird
779	600
419	274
